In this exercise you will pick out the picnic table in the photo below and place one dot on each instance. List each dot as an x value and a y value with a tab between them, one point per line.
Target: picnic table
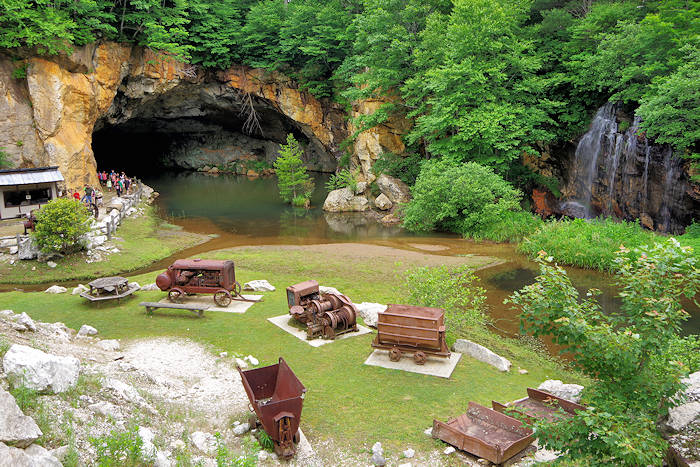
196	309
108	288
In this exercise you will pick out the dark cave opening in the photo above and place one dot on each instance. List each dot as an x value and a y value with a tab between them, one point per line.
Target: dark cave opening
152	144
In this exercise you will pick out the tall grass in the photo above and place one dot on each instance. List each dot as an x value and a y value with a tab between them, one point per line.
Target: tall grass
585	243
513	226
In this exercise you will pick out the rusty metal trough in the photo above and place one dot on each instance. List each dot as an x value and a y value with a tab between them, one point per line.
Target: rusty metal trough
540	405
484	433
276	396
406	328
325	314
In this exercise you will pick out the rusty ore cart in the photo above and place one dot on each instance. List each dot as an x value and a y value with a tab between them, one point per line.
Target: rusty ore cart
540	405
195	276
276	396
484	433
406	328
325	314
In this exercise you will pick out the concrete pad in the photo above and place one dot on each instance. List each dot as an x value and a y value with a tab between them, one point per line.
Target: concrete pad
283	322
208	300
305	456
434	366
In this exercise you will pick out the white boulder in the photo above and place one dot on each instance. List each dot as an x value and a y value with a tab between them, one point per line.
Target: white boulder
394	189
683	415
481	353
383	203
449	450
16	429
370	312
151	286
326	289
25	321
123	391
134	285
205	442
110	345
106	409
80	288
40	371
51	264
33	456
241	363
344	200
240	429
252	360
409	453
570	392
86	330
56	289
259	285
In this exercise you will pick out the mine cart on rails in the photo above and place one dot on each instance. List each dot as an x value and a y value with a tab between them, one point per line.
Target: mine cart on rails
276	397
325	314
413	329
199	276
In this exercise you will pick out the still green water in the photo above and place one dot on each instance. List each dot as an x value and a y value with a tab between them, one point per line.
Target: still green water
243	211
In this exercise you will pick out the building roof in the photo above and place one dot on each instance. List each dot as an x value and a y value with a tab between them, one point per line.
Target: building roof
30	176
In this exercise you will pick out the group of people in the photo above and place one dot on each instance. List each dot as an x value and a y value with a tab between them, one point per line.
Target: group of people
120	182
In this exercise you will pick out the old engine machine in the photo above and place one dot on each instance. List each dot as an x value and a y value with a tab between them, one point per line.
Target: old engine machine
325	314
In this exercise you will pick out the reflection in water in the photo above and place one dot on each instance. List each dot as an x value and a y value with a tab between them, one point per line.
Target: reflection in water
246	211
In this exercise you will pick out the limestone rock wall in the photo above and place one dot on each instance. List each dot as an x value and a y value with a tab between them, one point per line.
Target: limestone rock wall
48	118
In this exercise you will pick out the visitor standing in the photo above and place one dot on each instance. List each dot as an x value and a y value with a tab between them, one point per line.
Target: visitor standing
87	198
76	195
109	184
118	186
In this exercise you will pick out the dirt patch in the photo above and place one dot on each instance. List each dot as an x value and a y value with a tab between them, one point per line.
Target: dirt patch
363	251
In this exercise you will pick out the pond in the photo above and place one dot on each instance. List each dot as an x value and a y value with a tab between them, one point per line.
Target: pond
244	211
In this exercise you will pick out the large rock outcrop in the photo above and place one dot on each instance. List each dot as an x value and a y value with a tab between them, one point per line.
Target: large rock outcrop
16	429
42	372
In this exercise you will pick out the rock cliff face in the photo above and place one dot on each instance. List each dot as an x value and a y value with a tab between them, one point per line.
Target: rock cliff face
617	172
49	117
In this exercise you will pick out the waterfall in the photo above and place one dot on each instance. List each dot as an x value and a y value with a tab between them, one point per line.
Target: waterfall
622	174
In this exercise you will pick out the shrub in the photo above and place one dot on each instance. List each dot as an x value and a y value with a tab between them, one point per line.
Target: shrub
342	179
586	243
405	168
464	198
513	226
455	290
292	177
630	354
60	224
119	448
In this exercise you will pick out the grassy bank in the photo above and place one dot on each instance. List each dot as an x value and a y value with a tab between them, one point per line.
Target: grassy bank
348	403
141	240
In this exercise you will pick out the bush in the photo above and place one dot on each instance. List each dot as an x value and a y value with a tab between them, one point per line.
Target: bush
405	168
292	178
60	224
455	290
513	226
634	356
586	243
342	179
465	198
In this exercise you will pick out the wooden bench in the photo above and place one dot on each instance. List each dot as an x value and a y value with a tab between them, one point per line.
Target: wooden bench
196	309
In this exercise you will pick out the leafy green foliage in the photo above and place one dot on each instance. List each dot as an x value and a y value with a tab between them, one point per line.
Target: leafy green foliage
585	243
342	179
294	182
455	290
59	225
404	167
628	353
4	159
119	448
465	198
26	398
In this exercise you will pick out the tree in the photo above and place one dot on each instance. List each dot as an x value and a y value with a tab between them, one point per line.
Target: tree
294	182
60	224
464	198
631	354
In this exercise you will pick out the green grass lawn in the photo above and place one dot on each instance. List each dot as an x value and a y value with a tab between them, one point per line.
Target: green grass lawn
349	402
141	240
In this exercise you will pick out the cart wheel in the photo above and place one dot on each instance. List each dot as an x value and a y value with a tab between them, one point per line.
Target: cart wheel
419	357
252	421
296	437
222	298
175	295
328	332
236	289
395	354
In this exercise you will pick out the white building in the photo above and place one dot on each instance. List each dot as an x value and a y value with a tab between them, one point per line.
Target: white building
24	190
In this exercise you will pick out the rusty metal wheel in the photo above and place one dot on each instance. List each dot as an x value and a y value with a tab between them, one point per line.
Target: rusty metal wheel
236	289
328	332
395	354
222	298
296	437
175	295
419	357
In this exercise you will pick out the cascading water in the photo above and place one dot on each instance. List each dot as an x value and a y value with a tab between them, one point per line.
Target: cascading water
619	173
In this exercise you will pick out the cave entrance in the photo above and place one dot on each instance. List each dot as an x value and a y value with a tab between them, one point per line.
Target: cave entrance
178	132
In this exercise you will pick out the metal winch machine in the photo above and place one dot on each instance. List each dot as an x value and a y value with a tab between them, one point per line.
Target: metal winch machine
325	314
